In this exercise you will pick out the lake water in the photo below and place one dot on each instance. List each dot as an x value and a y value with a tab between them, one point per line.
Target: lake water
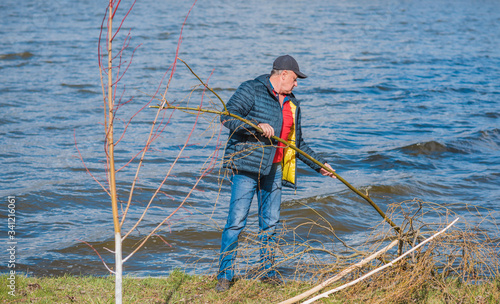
402	99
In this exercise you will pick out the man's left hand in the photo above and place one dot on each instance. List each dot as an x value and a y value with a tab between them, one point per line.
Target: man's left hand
326	173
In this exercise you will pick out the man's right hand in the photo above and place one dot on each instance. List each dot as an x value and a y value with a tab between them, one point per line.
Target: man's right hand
268	131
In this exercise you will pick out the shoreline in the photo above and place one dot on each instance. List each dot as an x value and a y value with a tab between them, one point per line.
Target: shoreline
183	288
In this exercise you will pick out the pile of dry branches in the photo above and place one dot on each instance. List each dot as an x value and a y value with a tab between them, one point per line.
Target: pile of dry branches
467	253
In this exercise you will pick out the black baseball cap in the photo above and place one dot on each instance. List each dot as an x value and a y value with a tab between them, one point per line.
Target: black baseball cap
287	62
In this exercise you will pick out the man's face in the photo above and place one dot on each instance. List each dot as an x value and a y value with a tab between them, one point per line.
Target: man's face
288	82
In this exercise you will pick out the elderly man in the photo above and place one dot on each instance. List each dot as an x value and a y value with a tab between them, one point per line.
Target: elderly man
261	164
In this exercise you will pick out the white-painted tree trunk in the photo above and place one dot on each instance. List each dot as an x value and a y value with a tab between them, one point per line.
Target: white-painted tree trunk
118	266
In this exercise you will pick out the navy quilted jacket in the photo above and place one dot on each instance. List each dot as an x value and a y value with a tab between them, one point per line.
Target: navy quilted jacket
247	150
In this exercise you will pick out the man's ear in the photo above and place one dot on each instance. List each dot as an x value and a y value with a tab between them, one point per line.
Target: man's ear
283	74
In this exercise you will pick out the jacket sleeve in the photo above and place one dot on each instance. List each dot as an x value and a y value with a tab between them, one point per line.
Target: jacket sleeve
241	103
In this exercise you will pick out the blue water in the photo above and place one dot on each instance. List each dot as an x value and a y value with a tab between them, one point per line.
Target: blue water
402	99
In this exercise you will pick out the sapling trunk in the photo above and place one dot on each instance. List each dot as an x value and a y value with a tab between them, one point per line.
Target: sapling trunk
111	162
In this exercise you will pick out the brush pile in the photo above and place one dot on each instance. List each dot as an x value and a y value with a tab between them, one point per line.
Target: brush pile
448	268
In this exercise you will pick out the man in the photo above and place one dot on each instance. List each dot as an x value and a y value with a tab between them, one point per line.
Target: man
261	164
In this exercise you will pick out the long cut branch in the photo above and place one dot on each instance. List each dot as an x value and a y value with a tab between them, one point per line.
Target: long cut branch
289	145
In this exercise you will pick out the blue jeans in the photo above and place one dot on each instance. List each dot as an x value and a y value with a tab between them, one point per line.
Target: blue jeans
244	186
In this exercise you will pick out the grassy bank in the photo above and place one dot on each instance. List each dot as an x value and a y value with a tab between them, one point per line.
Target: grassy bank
182	288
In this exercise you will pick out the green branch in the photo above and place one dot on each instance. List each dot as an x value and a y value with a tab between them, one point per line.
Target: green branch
368	199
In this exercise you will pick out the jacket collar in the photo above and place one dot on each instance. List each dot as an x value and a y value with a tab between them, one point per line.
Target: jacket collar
264	79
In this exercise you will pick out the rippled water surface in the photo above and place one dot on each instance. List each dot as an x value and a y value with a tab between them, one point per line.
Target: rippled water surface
402	99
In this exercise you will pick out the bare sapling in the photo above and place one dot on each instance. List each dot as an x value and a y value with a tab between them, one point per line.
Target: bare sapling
112	69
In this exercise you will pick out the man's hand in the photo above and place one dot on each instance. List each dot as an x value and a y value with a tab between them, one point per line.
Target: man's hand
326	173
268	130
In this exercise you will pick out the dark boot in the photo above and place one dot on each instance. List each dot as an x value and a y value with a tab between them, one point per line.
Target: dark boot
223	285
